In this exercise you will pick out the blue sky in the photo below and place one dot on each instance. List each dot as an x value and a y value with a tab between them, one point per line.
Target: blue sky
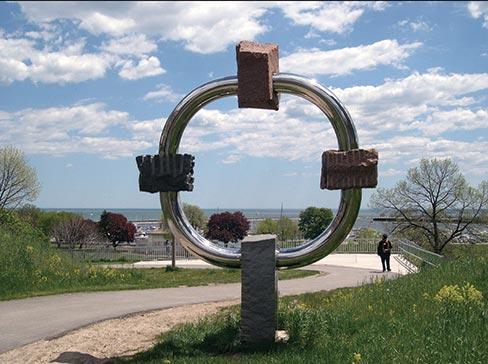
85	87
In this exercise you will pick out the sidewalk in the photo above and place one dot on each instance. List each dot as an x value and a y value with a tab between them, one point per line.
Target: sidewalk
366	261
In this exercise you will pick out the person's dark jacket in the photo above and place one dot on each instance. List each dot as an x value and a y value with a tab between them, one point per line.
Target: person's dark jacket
384	247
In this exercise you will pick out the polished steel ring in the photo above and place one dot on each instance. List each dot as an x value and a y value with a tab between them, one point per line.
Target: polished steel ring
303	255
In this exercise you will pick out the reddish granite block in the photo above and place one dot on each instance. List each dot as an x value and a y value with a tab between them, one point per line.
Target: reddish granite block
349	169
256	63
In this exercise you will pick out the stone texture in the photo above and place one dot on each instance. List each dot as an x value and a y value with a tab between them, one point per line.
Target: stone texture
349	169
259	291
171	173
256	63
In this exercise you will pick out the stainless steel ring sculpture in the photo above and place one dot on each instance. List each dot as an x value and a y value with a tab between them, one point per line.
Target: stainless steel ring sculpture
303	255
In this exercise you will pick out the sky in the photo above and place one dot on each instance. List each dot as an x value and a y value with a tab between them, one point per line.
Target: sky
85	87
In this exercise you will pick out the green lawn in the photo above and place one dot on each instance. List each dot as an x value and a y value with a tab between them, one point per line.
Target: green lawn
113	279
31	267
439	315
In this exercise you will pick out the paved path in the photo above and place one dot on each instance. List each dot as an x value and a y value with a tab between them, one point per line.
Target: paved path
32	319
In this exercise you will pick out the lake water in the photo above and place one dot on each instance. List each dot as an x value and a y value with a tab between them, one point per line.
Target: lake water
364	220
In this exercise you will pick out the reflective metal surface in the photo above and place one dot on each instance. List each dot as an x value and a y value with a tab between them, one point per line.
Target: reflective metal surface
311	251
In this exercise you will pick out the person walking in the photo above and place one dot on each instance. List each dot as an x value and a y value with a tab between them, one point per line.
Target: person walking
384	251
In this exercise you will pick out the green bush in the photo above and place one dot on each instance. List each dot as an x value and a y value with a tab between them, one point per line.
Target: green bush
30	265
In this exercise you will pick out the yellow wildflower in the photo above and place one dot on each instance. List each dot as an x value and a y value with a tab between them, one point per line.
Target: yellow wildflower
471	294
454	294
449	293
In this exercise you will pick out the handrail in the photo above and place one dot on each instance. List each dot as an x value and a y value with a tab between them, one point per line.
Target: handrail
406	264
416	255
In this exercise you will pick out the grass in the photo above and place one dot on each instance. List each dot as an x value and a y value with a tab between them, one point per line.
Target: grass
30	267
439	315
436	316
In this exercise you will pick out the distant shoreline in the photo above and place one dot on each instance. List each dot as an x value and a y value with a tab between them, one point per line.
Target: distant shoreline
141	214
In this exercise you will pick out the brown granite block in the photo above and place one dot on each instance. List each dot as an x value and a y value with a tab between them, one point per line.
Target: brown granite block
256	63
349	169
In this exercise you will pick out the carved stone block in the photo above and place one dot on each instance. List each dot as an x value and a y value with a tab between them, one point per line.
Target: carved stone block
349	169
171	173
256	63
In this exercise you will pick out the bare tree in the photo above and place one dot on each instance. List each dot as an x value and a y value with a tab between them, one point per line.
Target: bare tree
434	203
18	181
76	233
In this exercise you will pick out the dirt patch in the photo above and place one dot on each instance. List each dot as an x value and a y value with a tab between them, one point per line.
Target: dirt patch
97	343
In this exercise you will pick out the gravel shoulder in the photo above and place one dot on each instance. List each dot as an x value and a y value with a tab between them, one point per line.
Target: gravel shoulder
102	341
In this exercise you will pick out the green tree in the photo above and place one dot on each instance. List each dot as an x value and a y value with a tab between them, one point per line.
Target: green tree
368	233
195	215
434	203
314	220
267	226
284	228
18	180
45	220
30	214
287	229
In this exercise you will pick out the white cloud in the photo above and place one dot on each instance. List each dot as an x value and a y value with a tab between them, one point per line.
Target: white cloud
260	133
21	60
203	27
420	26
458	119
14	51
328	16
430	104
136	44
110	147
404	151
144	68
298	131
57	67
396	104
164	93
479	9
416	26
70	63
346	60
59	130
97	23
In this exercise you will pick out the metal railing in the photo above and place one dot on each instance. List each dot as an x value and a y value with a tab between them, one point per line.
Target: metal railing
129	253
363	246
413	257
147	253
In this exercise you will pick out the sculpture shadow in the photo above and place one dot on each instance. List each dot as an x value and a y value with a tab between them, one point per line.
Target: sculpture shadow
74	357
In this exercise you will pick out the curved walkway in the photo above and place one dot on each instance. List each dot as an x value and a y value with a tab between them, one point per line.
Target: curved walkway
32	319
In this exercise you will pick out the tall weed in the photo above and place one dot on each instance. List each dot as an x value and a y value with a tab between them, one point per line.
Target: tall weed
30	265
